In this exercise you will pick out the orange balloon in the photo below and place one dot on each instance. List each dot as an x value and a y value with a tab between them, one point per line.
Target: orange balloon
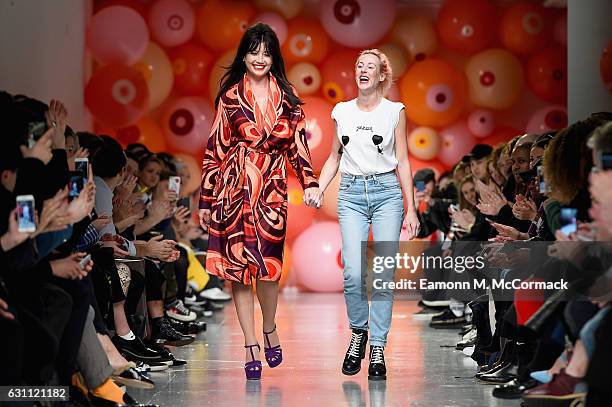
424	143
191	183
117	95
299	216
192	64
136	5
217	71
501	134
397	58
305	77
433	92
320	129
467	26
220	24
417	35
144	131
526	28
495	77
330	200
435	165
547	74
157	70
288	9
306	41
338	74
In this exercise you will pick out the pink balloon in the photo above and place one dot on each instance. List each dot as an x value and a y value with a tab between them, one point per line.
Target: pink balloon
317	259
547	119
276	22
560	30
186	123
481	123
117	34
357	23
172	22
455	142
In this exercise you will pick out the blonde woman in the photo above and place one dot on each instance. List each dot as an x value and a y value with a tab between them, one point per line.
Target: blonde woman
371	153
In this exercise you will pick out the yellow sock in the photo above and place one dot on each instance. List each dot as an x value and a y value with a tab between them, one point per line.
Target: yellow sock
109	391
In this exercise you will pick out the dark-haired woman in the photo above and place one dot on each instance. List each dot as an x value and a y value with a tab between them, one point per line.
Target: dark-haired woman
258	124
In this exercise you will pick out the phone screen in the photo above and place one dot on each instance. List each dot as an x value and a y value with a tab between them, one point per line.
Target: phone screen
568	220
420	186
81	165
542	183
174	184
606	161
75	184
26	213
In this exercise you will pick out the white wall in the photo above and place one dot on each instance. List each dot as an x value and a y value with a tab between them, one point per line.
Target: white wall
589	29
42	52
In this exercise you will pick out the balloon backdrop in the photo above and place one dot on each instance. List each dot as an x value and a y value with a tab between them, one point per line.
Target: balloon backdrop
287	9
220	25
186	123
305	77
525	28
156	68
306	42
192	64
145	131
547	74
317	258
299	216
393	93
217	71
455	142
330	201
605	66
495	77
433	92
467	26
547	118
319	129
357	23
481	123
137	5
117	95
338	75
416	164
560	30
397	58
117	35
172	22
194	166
287	265
276	22
423	143
501	134
417	35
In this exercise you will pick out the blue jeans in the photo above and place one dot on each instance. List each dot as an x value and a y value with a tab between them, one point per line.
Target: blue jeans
375	200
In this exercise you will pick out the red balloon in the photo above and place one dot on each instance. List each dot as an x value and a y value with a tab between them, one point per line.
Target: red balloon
547	74
191	64
139	6
501	134
320	129
526	28
338	72
117	95
467	26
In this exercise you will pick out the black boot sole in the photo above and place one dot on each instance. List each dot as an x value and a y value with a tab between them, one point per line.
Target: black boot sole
377	378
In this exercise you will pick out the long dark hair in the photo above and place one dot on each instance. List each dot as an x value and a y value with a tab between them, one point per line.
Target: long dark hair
255	35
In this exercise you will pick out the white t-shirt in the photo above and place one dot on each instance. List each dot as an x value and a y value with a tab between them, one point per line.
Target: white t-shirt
367	138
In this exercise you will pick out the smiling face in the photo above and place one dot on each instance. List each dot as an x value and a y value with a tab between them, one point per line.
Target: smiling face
495	174
367	73
258	62
469	192
149	176
534	155
520	162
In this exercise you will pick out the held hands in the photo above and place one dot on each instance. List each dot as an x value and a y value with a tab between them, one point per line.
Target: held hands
313	197
412	224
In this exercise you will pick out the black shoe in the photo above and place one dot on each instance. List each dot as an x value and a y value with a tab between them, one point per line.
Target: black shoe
465	329
162	333
355	352
377	369
188	328
513	390
170	356
135	350
505	374
447	320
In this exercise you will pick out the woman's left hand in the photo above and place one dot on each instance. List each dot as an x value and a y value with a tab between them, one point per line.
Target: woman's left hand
313	197
412	224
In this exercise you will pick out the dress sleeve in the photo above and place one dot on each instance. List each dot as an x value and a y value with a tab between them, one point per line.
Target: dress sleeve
299	156
216	149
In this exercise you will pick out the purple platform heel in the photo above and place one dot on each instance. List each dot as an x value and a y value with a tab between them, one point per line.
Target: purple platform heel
252	369
274	354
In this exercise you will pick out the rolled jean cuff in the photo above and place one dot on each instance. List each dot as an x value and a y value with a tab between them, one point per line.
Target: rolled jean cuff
363	328
378	342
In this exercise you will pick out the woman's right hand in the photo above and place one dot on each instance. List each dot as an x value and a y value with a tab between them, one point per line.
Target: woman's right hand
204	215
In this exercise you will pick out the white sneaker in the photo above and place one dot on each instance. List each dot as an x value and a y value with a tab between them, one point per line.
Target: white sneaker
469	336
215	294
469	351
178	311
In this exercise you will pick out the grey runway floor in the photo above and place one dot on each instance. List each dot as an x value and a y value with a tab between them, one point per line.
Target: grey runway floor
312	328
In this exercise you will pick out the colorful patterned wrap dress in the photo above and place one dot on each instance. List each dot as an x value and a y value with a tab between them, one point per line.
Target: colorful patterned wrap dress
244	182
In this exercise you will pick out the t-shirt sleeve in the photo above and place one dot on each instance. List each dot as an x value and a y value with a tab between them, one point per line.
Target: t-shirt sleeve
335	113
398	108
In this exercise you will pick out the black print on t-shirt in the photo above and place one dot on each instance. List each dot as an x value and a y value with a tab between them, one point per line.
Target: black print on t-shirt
376	139
345	140
364	128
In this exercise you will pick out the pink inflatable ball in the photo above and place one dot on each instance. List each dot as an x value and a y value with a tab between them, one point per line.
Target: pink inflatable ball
455	142
305	77
357	23
286	8
481	123
276	22
417	35
501	134
117	34
186	123
172	22
548	118
424	143
560	29
397	58
317	259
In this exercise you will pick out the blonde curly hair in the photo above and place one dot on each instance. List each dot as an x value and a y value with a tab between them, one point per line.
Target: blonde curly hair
384	67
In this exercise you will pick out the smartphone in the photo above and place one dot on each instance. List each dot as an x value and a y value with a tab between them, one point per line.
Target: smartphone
568	220
420	186
35	132
606	161
84	261
76	183
174	184
82	165
454	207
542	183
26	219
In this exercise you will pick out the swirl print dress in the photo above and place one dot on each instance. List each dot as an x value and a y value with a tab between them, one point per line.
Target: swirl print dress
244	182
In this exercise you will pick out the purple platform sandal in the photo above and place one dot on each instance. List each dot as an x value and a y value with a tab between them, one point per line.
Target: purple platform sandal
252	369
274	354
